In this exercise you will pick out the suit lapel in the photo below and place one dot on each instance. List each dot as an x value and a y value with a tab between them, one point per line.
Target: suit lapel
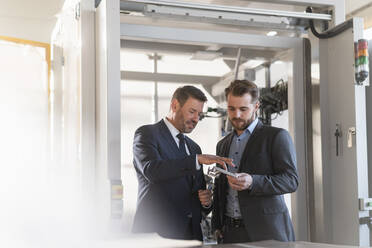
225	150
254	135
164	131
173	145
226	147
191	179
190	146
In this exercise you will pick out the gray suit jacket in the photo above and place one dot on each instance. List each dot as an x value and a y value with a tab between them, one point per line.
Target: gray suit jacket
269	157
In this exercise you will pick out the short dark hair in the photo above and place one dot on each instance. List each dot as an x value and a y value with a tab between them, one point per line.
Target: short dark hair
183	93
241	87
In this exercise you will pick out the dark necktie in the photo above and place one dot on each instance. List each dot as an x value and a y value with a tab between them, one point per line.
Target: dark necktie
181	145
182	149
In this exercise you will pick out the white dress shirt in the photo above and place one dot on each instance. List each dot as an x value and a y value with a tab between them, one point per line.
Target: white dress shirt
174	132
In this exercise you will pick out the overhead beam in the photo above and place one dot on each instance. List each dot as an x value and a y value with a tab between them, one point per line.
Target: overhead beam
315	3
169	78
337	5
161	47
207	37
235	9
170	48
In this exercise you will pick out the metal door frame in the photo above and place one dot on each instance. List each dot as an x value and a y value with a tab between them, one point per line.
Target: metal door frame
298	93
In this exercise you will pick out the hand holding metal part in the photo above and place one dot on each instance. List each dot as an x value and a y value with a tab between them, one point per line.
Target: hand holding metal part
215	171
237	181
243	181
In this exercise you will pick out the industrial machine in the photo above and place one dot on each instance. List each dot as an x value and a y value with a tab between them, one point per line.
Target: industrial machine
322	91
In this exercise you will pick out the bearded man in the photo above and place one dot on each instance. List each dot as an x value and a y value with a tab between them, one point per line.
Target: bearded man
251	207
171	185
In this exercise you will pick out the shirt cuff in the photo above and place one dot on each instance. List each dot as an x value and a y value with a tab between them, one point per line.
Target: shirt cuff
197	163
250	186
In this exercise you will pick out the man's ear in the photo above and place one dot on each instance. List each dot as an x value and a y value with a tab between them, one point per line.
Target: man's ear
174	105
256	107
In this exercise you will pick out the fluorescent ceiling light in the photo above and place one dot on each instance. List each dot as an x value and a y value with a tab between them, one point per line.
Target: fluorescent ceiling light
253	63
206	55
278	62
272	33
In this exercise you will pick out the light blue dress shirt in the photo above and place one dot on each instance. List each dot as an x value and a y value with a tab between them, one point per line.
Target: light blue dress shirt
236	151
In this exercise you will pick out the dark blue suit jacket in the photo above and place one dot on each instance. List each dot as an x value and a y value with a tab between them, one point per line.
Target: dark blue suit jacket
167	184
270	158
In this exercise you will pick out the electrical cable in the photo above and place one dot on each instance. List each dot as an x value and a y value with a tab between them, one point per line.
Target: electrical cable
332	32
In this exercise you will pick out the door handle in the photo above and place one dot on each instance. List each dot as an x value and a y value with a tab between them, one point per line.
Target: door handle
337	135
351	132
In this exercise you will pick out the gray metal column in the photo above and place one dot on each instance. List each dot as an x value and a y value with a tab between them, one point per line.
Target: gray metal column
155	97
267	75
88	108
237	63
299	113
108	164
316	204
56	113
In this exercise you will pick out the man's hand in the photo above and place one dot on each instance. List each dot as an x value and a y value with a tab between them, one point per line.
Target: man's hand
205	197
242	182
211	159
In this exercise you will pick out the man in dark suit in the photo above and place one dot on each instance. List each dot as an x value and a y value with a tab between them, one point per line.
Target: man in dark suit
171	185
251	207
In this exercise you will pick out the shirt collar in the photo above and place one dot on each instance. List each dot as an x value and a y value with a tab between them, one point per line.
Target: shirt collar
253	125
250	128
173	130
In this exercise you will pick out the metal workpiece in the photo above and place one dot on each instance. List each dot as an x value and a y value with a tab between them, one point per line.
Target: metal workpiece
216	171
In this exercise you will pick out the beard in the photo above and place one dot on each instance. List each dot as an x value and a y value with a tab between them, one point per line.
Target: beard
189	126
185	126
241	124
